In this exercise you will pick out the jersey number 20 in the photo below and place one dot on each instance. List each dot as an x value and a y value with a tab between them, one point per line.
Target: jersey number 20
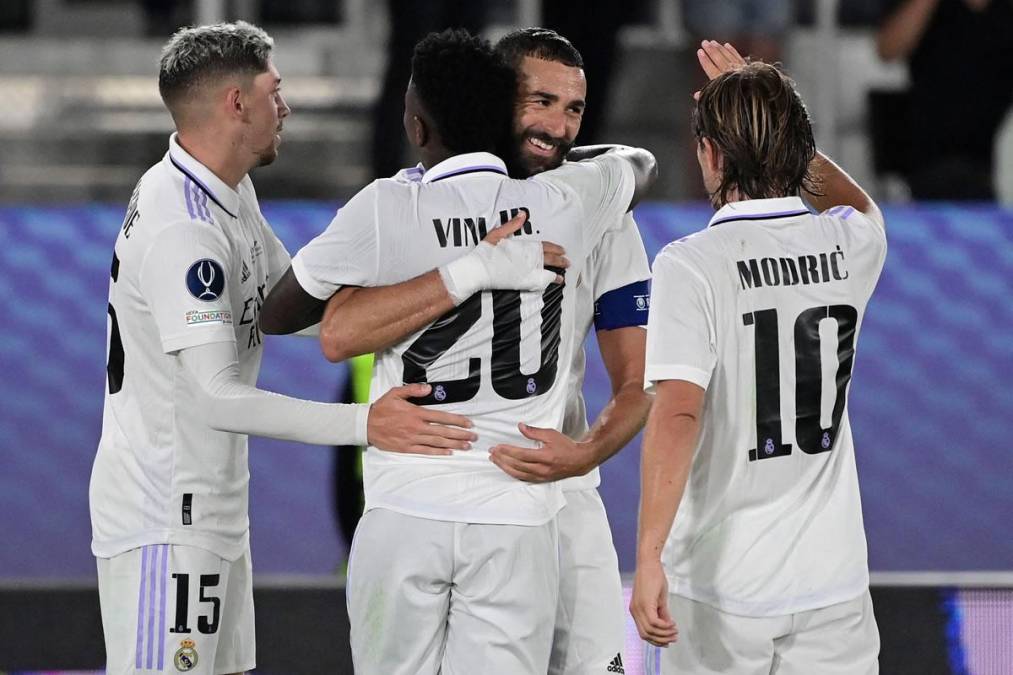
809	432
507	379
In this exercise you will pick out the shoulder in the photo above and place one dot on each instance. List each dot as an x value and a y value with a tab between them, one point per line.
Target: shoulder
853	222
166	198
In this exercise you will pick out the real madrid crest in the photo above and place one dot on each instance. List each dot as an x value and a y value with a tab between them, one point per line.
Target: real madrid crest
186	656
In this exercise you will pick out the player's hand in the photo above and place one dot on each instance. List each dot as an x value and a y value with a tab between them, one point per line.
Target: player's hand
649	605
553	255
396	425
558	457
717	59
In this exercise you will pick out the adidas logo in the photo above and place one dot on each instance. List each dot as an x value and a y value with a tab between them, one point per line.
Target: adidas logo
617	665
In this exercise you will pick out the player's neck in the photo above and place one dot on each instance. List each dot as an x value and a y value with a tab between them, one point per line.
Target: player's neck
219	157
430	157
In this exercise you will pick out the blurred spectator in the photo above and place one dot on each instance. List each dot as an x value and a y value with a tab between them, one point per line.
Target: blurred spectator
755	27
960	58
593	30
164	17
410	21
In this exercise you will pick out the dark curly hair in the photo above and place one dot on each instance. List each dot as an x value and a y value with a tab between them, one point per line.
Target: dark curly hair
467	89
757	121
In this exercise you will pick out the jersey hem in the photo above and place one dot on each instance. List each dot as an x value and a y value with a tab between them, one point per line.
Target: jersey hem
309	284
654	374
226	551
174	343
581	483
481	520
678	587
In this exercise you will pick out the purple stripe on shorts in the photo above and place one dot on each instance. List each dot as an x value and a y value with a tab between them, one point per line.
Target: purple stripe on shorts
152	574
162	581
140	607
187	187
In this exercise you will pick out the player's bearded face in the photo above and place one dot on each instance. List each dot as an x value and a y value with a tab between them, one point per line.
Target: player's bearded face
268	111
549	110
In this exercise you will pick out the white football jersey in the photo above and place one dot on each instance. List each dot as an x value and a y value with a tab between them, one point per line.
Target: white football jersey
191	265
612	292
763	310
500	357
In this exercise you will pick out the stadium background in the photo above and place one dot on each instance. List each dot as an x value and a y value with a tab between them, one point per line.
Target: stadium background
931	408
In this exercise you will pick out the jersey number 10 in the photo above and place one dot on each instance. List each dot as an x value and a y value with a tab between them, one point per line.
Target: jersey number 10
507	379
809	432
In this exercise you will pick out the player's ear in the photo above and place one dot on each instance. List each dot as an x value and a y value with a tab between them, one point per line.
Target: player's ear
235	104
710	156
419	131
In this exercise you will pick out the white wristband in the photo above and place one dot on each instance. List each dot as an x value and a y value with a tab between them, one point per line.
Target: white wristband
465	276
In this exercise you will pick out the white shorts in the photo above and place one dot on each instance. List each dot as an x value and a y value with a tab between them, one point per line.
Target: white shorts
590	626
177	609
841	639
431	596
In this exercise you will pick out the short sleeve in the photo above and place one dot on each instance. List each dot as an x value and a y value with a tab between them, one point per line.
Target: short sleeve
680	325
345	254
184	278
603	186
620	278
866	238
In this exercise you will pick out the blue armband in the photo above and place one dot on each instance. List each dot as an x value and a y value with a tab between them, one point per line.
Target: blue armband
624	307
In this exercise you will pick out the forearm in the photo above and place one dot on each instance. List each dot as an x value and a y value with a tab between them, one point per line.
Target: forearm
621	419
288	308
838	188
901	32
362	320
228	404
667	456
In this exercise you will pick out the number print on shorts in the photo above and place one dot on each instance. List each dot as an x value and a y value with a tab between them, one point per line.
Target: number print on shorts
205	624
810	435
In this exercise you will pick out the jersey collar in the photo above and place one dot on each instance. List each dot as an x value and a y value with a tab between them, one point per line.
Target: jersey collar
220	193
760	209
459	165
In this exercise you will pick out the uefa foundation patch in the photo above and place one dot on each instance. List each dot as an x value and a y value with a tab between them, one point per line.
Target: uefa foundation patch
196	317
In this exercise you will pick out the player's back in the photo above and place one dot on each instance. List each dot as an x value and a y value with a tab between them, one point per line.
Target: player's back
771	521
500	358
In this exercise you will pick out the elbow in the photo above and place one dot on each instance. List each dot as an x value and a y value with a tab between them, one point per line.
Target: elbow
648	167
333	344
888	47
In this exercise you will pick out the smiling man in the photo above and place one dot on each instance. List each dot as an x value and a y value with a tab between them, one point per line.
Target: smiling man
190	268
612	294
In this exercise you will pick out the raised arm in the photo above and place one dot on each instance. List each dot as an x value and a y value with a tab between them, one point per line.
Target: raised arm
902	30
838	188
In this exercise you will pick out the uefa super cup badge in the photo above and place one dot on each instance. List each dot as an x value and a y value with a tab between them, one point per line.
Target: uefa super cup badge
186	656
